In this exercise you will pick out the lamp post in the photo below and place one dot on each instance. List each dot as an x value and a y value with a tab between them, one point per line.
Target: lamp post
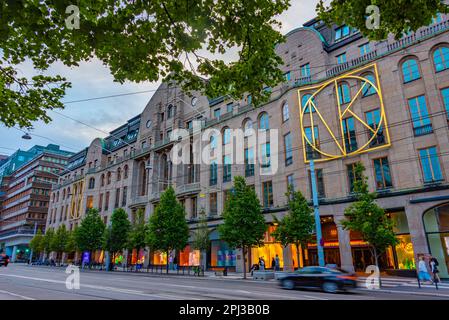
316	207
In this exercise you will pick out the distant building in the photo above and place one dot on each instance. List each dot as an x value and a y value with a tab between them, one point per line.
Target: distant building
26	181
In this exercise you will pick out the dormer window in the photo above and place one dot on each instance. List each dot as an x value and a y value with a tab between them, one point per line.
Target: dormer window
342	32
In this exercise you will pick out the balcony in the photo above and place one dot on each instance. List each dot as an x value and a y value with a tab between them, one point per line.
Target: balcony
141	152
161	144
138	200
188	188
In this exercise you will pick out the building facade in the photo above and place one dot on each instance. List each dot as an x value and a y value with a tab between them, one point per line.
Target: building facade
344	100
25	197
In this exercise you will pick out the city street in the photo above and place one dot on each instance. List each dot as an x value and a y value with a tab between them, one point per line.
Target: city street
22	282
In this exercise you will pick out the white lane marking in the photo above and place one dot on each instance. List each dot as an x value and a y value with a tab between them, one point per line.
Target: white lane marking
120	290
16	295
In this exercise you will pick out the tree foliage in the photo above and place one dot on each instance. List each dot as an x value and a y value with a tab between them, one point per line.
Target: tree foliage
368	218
37	242
71	245
89	235
298	225
396	17
59	240
48	237
168	229
201	239
243	222
138	41
116	235
139	230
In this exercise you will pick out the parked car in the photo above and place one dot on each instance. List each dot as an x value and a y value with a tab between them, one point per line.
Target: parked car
4	260
329	280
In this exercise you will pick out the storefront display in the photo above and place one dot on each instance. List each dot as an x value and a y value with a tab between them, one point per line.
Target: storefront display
159	258
189	257
222	255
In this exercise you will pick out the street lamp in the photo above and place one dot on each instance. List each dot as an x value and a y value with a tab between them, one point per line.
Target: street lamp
26	136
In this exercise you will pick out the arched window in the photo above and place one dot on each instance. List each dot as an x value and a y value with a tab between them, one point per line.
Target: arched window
368	89
91	183
119	174
125	171
248	127
441	59
109	178
344	93
213	142
285	112
264	122
306	102
226	135
170	111
102	180
410	70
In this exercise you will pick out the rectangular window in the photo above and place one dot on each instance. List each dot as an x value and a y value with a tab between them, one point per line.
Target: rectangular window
267	191
106	201
217	113
189	124
341	32
249	99
229	107
287	76
430	165
288	149
213	173
213	203
194	207
373	120
349	134
351	175
124	196
305	70
319	183
420	117
266	153
100	202
341	58
117	198
365	49
445	94
311	153
249	162
382	173
89	203
291	181
226	168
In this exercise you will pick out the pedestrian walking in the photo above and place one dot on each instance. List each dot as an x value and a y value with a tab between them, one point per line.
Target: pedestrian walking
434	269
273	264
277	263
170	262
261	264
175	263
423	273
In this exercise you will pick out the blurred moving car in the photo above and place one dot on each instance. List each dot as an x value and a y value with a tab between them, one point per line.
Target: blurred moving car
4	260
330	280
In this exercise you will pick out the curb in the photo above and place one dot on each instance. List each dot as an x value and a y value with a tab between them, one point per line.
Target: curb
416	293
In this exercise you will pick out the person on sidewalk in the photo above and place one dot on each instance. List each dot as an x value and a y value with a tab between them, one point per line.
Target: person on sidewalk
273	264
170	262
277	263
434	269
175	263
261	264
423	273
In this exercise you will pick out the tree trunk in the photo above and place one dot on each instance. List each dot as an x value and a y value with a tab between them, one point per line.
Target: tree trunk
244	262
298	247
376	259
168	258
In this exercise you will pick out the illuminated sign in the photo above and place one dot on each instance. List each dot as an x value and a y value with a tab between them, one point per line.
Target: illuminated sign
320	106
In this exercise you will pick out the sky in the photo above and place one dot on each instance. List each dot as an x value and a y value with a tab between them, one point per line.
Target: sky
91	80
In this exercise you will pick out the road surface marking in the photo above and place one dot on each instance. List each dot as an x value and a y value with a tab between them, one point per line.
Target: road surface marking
16	295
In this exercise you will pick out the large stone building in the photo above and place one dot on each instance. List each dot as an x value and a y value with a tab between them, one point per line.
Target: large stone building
344	100
24	196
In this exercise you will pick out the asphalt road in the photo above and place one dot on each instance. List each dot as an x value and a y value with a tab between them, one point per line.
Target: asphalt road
23	282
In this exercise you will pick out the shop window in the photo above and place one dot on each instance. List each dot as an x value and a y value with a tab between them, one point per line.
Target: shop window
222	255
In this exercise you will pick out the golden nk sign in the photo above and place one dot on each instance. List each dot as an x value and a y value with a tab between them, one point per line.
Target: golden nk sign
312	118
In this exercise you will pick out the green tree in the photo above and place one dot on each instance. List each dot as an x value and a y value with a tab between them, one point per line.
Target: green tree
37	243
298	225
243	222
201	239
139	41
396	17
366	217
168	229
59	241
116	235
70	246
89	235
48	237
139	230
